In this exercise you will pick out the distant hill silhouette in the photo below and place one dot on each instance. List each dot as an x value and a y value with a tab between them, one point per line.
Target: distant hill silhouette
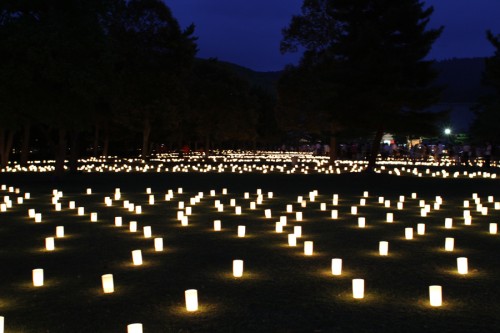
461	77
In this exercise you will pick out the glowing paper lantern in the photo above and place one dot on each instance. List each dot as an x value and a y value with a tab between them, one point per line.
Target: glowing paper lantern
2	324
137	257
133	226
358	288
81	211
253	205
399	205
448	223
335	214
89	191
38	217
184	221
336	266
217	225
289	208
3	207
151	199
72	205
93	217
421	229
191	296
308	248
409	233
292	240
298	216
138	209
237	210
238	268
134	328
189	210
354	210
361	222
493	228
279	227
435	295
380	200
241	231
49	244
383	248
390	217
107	283
147	231
118	221
158	244
297	231
37	277
323	206
462	265
267	213
283	220
414	195
387	203
468	220
58	207
449	244
59	231
31	213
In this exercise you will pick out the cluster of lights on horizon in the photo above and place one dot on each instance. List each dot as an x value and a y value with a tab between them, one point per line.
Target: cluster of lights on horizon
262	162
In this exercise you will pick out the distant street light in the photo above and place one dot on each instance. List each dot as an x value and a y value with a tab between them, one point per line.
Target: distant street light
447	131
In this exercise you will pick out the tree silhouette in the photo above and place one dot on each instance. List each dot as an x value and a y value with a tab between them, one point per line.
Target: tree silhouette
368	58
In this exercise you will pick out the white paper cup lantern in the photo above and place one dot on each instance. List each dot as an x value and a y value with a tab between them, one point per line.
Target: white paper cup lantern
237	268
383	248
448	223
60	231
93	217
217	225
462	265
390	217
361	222
138	209
409	233
298	216
421	229
37	277
358	288
297	231
2	324
118	221
292	240
399	205
72	205
237	210
89	191
158	244
336	266
322	206
283	220
449	244
184	221
335	214
241	231
133	226
49	244
31	213
147	231
308	248
134	328
289	208
354	210
468	220
279	227
137	257
380	200
267	213
493	228
38	217
81	211
107	283
191	296
232	202
387	203
435	295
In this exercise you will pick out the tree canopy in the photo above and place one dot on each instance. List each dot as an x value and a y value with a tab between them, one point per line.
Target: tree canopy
365	60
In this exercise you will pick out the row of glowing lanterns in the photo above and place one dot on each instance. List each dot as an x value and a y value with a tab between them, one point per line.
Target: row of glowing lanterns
191	305
263	162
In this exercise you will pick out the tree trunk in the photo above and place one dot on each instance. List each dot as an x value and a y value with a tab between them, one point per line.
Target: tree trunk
73	157
145	138
105	147
25	144
96	140
372	159
207	145
333	149
60	153
6	140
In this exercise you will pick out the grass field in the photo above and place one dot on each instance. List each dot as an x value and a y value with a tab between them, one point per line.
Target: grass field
282	290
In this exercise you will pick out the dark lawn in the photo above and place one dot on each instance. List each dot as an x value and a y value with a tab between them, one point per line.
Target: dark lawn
282	290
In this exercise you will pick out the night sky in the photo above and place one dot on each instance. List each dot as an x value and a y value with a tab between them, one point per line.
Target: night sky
249	32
